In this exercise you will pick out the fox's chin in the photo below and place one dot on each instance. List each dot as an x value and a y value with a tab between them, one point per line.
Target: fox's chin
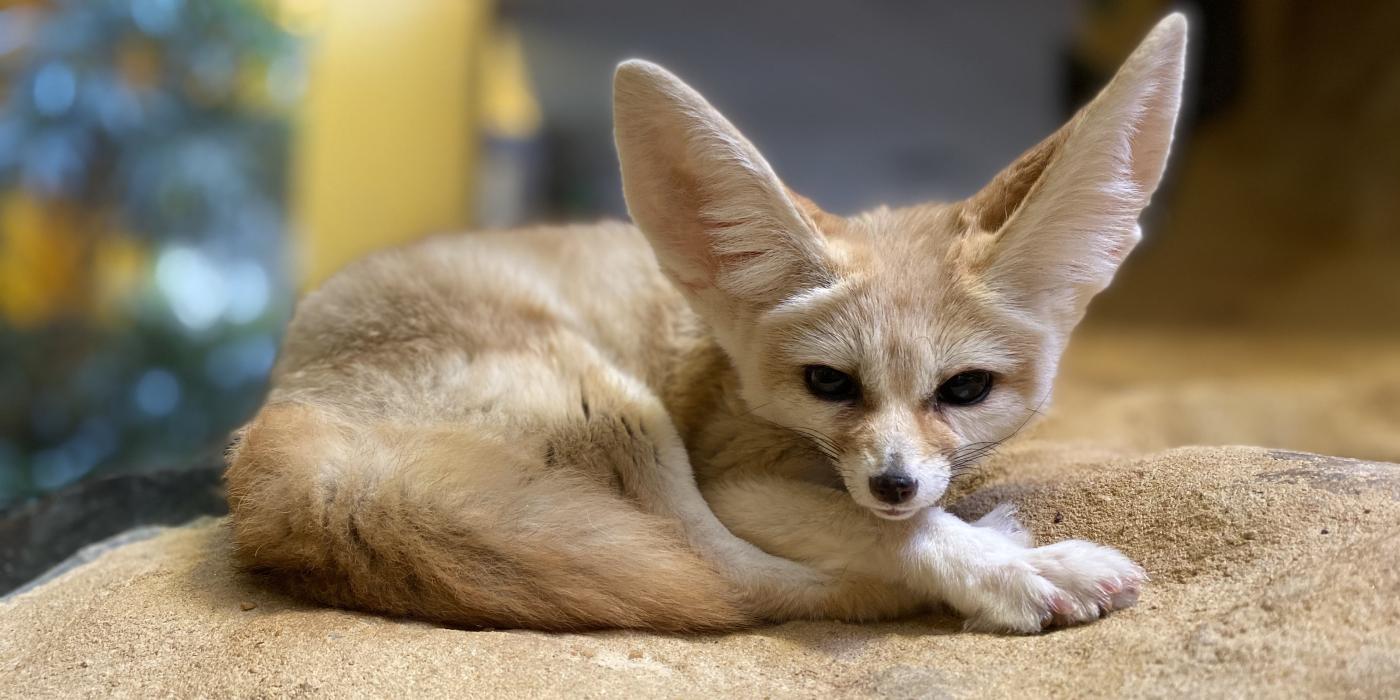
896	513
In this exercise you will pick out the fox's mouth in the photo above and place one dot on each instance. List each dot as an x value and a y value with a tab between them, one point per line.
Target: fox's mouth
896	513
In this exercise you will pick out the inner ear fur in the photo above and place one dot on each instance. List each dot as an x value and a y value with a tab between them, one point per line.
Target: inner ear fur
1062	217
722	224
993	206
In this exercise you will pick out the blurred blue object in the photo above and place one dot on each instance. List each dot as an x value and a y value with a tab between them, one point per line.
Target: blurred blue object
159	127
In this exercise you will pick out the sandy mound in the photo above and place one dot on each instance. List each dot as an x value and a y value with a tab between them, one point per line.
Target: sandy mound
1273	571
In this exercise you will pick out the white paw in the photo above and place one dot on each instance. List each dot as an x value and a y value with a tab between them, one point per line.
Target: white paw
1003	519
1066	583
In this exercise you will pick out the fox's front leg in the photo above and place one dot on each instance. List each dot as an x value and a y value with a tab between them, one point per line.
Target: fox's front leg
1000	583
985	570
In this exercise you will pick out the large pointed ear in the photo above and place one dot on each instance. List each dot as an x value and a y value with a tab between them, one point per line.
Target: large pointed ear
722	225
1065	214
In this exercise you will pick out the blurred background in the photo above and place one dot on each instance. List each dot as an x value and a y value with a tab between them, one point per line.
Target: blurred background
174	172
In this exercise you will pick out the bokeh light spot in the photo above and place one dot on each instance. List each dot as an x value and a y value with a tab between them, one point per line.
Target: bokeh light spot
157	393
55	88
238	362
193	287
249	291
57	467
155	17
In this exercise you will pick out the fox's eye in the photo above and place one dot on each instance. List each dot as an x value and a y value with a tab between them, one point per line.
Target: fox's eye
831	384
965	388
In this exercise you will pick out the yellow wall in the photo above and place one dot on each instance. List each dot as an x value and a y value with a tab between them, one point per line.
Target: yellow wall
386	147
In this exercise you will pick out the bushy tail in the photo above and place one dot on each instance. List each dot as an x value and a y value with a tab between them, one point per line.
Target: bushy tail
402	520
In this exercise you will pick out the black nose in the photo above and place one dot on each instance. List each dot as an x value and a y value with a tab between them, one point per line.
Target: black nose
893	487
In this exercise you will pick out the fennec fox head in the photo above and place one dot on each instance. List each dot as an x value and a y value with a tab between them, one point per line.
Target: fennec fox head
903	342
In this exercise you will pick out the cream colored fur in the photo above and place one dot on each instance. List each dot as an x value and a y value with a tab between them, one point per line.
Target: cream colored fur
608	426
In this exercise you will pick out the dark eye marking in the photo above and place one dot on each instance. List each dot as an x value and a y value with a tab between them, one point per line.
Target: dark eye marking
965	388
829	384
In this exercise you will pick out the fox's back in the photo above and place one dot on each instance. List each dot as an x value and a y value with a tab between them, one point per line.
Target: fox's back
417	329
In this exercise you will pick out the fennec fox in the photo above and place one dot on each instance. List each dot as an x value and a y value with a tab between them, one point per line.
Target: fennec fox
742	409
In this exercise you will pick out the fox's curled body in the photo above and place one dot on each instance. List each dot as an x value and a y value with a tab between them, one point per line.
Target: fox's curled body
607	426
445	442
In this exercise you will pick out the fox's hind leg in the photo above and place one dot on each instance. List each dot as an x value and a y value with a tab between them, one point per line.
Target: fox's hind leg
465	525
651	466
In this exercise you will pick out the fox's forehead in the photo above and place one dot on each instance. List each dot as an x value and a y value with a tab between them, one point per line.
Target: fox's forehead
900	336
906	310
904	238
906	266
